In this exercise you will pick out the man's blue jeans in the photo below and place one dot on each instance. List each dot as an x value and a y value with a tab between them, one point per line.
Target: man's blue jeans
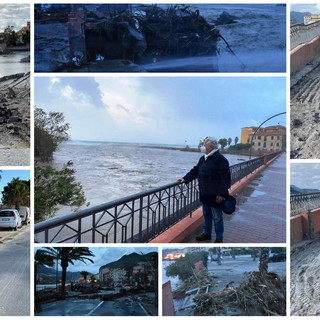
216	215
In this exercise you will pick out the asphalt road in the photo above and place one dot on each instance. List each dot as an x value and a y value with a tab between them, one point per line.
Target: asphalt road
95	307
15	275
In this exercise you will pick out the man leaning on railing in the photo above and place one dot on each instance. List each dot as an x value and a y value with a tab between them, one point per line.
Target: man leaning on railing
214	179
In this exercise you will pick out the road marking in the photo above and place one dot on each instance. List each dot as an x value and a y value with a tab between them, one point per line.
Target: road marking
144	309
94	309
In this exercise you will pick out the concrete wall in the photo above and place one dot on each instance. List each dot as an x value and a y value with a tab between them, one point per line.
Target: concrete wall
316	221
76	34
299	226
304	53
167	300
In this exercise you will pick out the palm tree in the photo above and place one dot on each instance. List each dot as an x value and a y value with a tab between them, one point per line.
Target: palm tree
17	193
41	258
92	280
84	274
264	259
229	142
68	255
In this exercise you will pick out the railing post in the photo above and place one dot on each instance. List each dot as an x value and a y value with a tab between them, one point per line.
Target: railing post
132	222
93	236
159	212
115	224
140	218
79	230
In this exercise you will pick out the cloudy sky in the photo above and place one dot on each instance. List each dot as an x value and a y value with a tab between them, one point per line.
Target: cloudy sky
168	110
306	7
305	175
104	256
15	15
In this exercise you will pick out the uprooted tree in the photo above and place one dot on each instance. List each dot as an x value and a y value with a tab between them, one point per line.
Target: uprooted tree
260	293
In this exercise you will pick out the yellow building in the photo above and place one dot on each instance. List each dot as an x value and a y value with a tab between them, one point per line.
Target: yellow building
246	133
311	18
272	138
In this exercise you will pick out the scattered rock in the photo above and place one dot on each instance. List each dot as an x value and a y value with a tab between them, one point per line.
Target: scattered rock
225	18
297	123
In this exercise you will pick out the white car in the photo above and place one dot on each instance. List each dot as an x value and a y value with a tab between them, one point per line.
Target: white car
10	218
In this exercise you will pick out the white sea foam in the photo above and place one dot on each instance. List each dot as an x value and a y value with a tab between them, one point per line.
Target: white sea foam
109	172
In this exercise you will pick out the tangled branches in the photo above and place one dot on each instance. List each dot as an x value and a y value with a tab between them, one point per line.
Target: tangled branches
260	294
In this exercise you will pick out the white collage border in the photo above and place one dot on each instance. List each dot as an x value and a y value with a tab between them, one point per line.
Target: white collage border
160	246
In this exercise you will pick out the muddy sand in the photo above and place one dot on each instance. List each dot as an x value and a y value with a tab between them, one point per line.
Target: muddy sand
305	279
305	112
15	120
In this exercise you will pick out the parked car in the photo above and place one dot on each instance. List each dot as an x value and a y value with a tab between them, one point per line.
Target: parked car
25	214
277	257
10	218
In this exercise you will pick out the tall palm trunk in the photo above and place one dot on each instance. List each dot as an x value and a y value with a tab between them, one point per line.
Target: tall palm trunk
64	266
264	259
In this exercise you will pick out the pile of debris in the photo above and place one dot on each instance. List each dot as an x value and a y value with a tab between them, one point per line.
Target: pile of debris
200	279
15	110
45	296
150	34
177	32
261	294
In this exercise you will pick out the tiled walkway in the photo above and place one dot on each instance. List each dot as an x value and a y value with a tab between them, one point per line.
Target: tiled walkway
261	209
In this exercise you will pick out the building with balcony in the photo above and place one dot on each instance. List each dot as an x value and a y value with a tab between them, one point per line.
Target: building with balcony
118	276
269	139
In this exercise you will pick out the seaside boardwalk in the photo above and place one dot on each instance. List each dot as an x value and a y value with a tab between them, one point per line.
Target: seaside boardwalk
260	216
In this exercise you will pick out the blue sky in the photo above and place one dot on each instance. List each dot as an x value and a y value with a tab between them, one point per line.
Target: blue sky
306	7
8	175
305	175
104	255
15	15
169	110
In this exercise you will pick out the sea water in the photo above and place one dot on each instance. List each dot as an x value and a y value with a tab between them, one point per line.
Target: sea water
258	38
10	63
110	171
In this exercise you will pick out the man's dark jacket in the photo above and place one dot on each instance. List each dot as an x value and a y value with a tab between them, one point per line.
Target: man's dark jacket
213	176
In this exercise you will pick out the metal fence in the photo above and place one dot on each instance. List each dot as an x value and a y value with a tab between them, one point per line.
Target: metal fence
304	203
136	218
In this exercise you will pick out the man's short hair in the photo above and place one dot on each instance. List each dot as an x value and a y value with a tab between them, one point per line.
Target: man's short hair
211	141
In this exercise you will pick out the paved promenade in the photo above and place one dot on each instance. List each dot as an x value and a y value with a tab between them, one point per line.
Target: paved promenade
261	209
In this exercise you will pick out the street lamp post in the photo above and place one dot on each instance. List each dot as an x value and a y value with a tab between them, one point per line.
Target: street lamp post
254	134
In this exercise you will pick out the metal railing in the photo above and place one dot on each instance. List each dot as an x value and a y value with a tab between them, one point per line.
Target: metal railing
136	218
304	203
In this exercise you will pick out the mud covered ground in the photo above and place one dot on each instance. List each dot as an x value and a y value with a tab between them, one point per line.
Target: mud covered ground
305	279
305	114
15	120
